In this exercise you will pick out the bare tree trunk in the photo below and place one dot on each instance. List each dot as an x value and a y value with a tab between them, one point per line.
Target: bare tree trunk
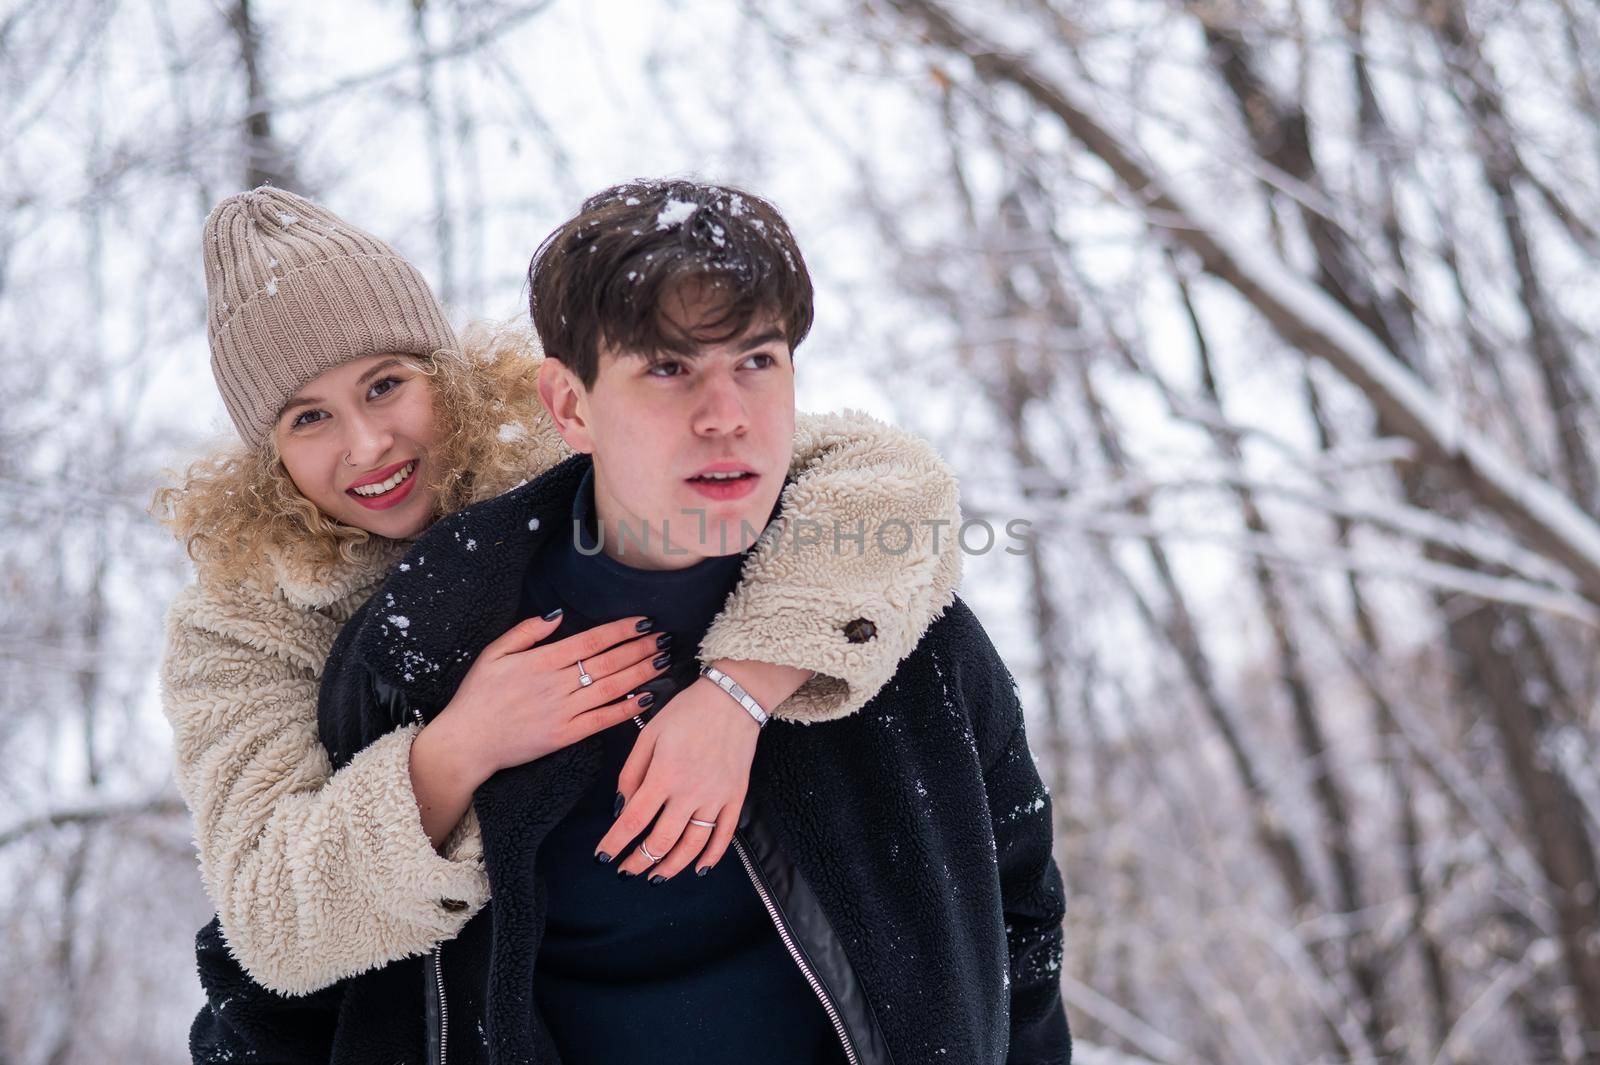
1364	960
438	152
1554	816
1180	632
1486	354
1012	396
188	132
475	288
1580	53
70	996
1391	741
1502	166
265	160
1281	134
1377	139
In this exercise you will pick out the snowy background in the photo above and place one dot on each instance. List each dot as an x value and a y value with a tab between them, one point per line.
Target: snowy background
1276	317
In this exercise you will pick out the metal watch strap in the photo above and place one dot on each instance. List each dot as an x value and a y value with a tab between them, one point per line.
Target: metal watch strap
740	696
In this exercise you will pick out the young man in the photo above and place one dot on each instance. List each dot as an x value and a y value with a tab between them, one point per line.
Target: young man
894	898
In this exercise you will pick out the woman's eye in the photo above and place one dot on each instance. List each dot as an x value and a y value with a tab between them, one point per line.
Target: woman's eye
306	417
383	387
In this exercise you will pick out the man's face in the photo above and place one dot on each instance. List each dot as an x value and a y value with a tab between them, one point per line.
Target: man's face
659	432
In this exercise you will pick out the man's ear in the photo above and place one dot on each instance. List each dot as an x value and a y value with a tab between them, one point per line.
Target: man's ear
566	399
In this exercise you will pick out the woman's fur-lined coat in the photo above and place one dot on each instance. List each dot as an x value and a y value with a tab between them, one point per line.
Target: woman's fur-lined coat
318	875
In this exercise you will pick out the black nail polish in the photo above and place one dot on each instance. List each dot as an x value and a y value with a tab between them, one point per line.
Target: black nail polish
660	660
658	879
617	808
553	614
645	701
703	870
645	626
603	858
623	874
664	641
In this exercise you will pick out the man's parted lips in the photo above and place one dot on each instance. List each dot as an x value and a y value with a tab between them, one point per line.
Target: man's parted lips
726	469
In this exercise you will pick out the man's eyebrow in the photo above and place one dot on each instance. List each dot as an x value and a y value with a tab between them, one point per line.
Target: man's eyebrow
763	339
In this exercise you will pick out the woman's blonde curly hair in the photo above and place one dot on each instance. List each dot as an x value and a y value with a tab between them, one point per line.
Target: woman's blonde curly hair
230	508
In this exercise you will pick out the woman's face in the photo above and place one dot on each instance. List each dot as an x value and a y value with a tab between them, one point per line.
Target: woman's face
356	442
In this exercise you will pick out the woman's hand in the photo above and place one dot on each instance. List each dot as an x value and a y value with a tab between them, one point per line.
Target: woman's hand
520	702
693	760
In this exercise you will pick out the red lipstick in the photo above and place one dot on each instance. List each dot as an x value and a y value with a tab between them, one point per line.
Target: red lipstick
394	496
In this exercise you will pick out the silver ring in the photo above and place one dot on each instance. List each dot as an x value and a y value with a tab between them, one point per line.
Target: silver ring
702	824
653	857
583	675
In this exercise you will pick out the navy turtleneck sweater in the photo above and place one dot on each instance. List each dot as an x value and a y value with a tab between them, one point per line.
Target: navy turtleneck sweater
688	970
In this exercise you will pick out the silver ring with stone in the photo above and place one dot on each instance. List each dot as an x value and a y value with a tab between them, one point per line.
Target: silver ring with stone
702	824
583	675
646	851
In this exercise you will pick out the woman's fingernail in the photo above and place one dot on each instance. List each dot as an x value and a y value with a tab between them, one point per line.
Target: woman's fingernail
603	858
623	874
664	641
645	626
646	701
553	614
617	808
658	879
660	660
703	870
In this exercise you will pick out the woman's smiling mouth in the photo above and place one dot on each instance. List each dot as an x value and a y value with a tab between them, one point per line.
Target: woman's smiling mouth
396	485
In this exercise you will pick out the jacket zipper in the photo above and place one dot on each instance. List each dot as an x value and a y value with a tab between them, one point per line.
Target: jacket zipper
794	950
438	971
771	906
444	1013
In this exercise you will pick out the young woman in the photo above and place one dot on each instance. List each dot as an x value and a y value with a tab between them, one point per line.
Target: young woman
363	419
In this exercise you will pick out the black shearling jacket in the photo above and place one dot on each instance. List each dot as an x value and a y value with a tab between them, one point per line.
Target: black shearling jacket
903	852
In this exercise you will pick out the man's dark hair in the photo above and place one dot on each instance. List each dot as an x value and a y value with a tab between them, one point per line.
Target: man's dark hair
603	276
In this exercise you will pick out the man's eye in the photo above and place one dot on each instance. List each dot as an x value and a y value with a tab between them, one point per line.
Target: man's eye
306	417
668	364
771	361
383	387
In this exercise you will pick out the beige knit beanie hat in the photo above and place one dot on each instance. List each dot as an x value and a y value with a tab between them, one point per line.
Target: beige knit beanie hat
293	290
